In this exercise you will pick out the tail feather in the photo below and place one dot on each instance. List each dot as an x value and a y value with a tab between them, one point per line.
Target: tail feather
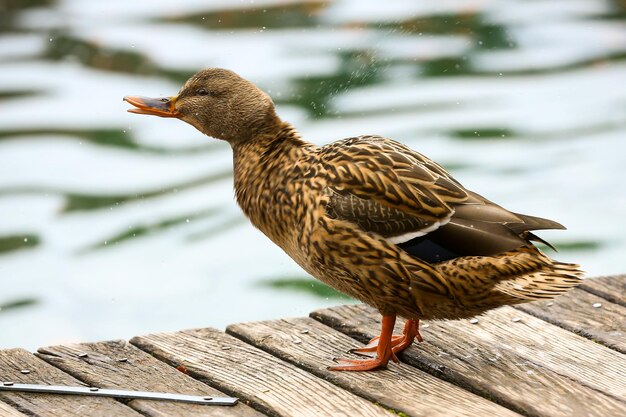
480	283
534	223
533	237
550	280
536	286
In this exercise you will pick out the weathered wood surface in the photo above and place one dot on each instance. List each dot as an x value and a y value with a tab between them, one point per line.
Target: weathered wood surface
269	384
586	314
120	365
13	361
311	345
526	365
8	411
612	288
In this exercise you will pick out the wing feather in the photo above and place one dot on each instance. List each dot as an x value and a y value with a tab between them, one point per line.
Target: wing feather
387	188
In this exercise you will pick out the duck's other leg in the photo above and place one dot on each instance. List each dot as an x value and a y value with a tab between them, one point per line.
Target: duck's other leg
384	351
410	332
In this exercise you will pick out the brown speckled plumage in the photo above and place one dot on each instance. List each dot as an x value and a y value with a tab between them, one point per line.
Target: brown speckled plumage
369	216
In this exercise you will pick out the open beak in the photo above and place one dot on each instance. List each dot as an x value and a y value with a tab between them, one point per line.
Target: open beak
162	107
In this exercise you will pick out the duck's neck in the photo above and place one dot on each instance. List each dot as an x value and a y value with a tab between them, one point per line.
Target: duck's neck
263	167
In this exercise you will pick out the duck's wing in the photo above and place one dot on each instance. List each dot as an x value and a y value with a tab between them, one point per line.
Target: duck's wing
387	188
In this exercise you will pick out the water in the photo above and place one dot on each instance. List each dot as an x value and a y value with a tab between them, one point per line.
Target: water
114	224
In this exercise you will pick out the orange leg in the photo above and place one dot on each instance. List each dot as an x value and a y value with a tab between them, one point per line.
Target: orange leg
410	332
383	351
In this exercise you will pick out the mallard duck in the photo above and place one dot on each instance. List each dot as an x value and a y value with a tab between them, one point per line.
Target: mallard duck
369	216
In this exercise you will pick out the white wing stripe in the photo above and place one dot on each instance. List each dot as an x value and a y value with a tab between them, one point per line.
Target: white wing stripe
412	235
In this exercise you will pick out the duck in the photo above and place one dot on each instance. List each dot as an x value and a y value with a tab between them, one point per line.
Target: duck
369	216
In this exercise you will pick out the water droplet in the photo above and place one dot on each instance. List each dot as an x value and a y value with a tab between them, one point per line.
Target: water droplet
473	321
550	304
50	39
425	326
597	305
25	239
529	372
25	371
516	319
186	220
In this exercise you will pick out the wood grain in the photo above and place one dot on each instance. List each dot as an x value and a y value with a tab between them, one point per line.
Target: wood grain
13	361
575	311
120	365
311	345
526	365
612	288
269	384
8	411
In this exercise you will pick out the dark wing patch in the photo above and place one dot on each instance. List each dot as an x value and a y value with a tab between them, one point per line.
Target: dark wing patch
372	216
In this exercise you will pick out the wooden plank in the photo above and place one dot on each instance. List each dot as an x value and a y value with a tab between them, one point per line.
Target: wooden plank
605	323
8	411
118	364
311	345
527	364
13	361
269	384
612	288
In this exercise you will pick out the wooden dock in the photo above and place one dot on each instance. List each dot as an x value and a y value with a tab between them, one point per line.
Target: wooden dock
560	358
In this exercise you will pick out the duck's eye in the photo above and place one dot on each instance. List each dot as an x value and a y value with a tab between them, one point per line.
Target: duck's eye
202	92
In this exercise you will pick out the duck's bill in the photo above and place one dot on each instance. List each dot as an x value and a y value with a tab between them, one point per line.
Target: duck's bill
162	107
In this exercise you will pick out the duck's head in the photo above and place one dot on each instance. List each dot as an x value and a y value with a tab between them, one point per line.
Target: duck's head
217	102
